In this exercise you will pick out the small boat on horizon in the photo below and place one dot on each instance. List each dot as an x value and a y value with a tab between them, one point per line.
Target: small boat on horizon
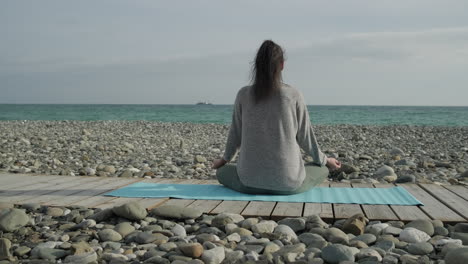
203	103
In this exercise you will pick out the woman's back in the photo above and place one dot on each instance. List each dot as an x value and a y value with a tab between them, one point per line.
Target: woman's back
270	156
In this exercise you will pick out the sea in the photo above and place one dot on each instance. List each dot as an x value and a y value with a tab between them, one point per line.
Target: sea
222	114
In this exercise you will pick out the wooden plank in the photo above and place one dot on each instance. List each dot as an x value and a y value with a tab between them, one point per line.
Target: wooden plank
406	213
283	210
93	201
458	189
450	199
235	207
39	189
324	210
82	197
344	210
116	202
220	206
177	202
150	203
373	211
434	208
214	182
262	209
59	194
27	181
205	206
9	178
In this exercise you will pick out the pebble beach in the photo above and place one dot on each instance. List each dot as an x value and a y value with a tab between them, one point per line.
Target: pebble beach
34	233
370	154
129	233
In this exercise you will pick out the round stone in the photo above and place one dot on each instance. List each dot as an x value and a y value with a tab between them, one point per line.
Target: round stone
5	246
385	245
369	254
124	228
335	235
296	224
313	240
286	231
193	250
337	253
131	211
213	256
461	228
12	219
423	225
271	247
223	219
413	235
367	238
179	230
457	256
421	248
264	227
109	235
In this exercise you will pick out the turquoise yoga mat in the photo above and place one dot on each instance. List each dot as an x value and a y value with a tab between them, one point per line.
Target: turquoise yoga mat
391	196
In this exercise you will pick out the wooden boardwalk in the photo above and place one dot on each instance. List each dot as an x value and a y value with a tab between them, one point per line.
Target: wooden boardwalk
446	203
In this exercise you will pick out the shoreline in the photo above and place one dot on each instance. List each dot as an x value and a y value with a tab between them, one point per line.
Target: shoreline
370	154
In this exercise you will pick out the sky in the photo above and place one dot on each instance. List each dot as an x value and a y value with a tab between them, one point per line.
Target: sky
350	52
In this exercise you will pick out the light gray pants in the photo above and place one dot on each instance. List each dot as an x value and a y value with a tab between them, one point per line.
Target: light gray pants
227	176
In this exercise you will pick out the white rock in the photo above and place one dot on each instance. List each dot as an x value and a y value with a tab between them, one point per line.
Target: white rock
90	171
384	171
179	230
439	244
264	227
213	256
413	235
287	231
234	237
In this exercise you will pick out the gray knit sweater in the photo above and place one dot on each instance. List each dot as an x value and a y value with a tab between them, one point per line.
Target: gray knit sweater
269	135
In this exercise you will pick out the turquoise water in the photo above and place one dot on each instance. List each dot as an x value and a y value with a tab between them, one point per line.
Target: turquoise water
321	114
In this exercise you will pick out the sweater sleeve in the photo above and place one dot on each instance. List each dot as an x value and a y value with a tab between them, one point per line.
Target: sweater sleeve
235	132
305	134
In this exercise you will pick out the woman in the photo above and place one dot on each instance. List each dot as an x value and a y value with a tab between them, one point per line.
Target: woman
270	124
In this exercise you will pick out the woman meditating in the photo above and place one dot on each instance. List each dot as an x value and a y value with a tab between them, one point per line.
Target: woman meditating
270	123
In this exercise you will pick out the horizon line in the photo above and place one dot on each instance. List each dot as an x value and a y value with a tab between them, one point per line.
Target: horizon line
224	104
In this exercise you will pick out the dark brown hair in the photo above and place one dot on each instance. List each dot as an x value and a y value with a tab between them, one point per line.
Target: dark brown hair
266	70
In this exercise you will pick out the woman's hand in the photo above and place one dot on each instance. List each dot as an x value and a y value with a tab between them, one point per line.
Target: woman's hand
333	164
218	163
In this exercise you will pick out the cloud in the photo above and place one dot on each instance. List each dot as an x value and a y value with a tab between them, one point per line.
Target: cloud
446	44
